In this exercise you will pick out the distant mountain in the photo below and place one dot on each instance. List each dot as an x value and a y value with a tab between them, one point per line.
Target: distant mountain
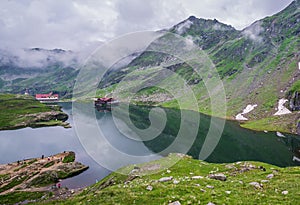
38	69
258	65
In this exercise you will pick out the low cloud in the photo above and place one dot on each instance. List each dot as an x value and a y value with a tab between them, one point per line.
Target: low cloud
74	25
182	27
253	32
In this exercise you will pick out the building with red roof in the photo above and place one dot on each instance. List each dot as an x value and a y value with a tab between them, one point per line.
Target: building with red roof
46	97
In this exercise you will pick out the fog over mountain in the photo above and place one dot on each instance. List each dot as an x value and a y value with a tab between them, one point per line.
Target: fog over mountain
72	25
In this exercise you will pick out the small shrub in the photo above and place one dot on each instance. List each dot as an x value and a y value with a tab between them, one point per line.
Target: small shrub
49	164
69	158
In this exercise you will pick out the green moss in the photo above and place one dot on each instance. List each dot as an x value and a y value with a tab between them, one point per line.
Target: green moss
284	124
15	197
32	161
13	183
44	179
49	164
4	177
21	167
69	158
295	87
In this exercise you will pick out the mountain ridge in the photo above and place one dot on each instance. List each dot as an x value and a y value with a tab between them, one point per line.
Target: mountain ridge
258	65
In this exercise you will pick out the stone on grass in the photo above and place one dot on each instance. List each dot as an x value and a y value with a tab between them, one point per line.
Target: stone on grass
175	181
264	181
210	187
228	192
219	176
165	179
270	176
197	177
284	192
175	203
256	185
210	203
149	188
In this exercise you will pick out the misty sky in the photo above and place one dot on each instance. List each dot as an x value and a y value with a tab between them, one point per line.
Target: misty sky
73	24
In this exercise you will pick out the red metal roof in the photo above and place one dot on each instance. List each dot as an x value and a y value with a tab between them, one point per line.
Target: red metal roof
46	95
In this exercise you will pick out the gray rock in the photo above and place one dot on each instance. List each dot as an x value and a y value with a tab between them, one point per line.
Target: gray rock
284	192
256	185
264	181
149	188
175	181
175	203
270	176
165	179
197	177
228	192
210	187
219	176
210	203
134	171
229	166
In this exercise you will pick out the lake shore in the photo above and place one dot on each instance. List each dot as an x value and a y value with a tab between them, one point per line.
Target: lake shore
38	175
20	111
189	181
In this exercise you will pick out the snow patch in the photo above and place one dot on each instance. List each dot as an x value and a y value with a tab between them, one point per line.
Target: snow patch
281	109
279	134
248	109
181	28
296	159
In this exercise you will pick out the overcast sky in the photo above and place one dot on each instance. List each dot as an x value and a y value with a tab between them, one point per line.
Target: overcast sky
72	24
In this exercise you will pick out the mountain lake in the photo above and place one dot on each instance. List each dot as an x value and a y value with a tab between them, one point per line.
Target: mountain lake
235	143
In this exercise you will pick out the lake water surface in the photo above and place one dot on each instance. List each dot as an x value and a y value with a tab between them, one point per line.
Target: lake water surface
236	143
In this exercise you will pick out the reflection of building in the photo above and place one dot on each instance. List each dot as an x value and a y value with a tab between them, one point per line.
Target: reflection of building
47	97
105	101
104	108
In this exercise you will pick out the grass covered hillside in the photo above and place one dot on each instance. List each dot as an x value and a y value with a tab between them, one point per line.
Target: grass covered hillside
194	182
18	111
257	65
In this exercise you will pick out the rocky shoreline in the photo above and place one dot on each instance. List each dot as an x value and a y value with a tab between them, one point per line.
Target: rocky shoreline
44	119
38	174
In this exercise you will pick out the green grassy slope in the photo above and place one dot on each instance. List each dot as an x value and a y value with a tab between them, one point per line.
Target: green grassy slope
17	111
257	65
142	186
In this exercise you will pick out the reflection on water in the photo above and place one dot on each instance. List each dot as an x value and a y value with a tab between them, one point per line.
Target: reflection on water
236	144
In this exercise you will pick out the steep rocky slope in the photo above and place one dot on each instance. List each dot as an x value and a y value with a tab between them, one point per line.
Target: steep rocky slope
258	65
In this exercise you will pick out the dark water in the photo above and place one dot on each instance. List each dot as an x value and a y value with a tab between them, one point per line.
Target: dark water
236	144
